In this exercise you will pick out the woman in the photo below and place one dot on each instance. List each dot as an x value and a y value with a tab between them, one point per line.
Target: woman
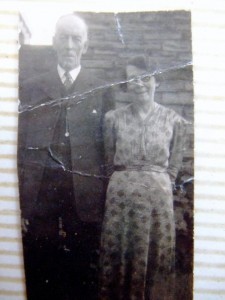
144	143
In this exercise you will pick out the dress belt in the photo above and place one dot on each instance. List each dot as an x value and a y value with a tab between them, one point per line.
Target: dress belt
151	168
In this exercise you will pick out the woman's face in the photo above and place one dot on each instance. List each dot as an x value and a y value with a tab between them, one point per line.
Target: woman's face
139	82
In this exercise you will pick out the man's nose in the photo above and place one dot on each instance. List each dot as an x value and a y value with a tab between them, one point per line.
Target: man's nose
69	42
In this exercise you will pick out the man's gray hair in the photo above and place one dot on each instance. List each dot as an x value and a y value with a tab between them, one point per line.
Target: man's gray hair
75	16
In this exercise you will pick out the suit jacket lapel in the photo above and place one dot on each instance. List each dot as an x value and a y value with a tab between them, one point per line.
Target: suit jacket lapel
82	83
52	86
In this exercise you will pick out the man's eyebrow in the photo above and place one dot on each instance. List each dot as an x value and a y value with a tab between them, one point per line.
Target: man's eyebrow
137	76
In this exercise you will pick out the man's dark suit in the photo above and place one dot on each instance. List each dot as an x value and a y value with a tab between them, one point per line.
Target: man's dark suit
61	180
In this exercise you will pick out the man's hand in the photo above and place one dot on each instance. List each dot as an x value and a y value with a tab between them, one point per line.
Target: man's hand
24	225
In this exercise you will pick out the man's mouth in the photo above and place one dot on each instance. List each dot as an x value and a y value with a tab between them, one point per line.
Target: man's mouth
69	56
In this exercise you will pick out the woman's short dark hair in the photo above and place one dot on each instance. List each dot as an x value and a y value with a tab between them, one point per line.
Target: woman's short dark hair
139	62
144	63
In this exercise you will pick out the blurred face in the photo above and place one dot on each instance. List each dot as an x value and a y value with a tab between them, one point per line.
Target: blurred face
140	83
70	41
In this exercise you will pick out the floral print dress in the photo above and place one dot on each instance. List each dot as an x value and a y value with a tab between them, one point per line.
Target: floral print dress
138	233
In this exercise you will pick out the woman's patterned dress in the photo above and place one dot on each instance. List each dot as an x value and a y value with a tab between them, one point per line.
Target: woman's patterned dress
138	234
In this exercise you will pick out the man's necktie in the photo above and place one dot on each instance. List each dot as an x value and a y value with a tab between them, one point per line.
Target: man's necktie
68	81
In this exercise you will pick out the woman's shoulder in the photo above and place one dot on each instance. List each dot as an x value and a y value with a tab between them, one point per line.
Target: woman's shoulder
118	112
170	114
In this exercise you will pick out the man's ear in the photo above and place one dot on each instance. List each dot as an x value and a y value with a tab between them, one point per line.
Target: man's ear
86	44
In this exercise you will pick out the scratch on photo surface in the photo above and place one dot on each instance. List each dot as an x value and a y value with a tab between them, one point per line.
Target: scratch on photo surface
119	29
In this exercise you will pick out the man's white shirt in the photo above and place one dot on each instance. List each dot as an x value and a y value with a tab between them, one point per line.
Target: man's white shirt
73	73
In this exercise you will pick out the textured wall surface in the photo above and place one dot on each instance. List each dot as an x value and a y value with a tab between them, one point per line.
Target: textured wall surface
11	258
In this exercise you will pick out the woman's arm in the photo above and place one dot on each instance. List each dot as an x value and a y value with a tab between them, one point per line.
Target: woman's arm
109	141
176	148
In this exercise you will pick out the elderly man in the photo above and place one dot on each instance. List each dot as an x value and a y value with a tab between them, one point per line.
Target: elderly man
60	167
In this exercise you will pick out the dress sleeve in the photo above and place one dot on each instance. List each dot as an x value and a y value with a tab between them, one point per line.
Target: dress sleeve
176	148
109	141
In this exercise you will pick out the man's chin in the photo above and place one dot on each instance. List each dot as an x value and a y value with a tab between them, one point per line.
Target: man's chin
69	64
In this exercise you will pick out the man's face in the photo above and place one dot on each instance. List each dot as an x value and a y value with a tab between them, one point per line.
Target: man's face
70	42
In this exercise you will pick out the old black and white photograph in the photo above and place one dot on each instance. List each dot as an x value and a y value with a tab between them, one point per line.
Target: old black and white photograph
105	156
